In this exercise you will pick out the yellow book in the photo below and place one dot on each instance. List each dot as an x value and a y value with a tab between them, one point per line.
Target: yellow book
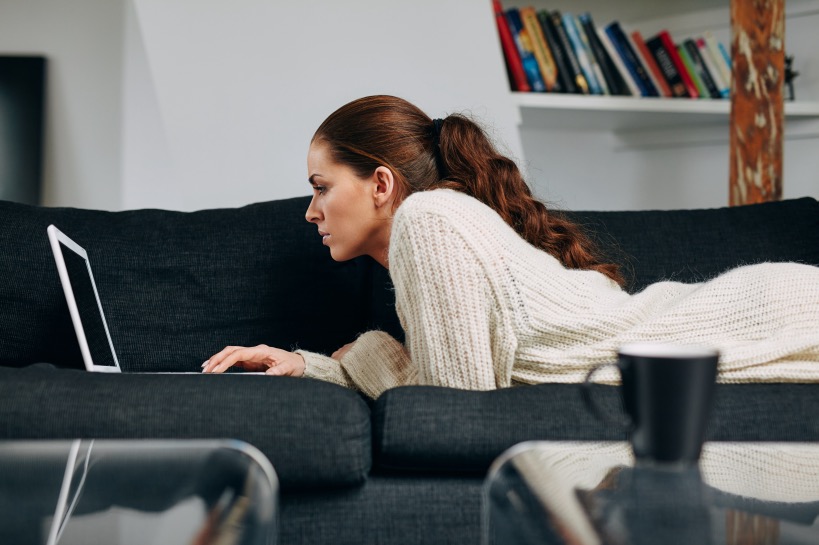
548	68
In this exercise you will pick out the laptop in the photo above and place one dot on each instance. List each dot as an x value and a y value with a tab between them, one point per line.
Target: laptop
85	306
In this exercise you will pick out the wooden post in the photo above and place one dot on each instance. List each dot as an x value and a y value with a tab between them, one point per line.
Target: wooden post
758	75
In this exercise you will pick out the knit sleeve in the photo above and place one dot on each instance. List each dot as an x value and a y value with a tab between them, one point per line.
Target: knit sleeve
446	303
325	368
375	363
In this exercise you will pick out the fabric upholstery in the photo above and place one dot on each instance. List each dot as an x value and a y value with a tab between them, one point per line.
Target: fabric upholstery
177	287
428	428
695	245
315	434
408	509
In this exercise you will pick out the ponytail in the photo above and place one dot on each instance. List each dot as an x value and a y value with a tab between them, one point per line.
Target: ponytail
473	166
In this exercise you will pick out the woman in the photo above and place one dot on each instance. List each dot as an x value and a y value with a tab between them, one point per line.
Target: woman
491	288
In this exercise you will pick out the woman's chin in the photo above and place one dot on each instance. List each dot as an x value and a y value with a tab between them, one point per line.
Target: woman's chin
338	255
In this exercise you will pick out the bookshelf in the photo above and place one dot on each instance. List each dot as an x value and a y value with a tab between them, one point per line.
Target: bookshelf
636	115
584	112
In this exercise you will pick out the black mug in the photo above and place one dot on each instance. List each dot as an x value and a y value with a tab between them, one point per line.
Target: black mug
668	391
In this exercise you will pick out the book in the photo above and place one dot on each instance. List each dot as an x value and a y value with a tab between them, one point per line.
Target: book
648	61
527	58
543	55
722	61
668	43
575	72
514	66
570	24
611	72
700	68
702	92
723	87
667	66
630	60
598	71
564	75
628	79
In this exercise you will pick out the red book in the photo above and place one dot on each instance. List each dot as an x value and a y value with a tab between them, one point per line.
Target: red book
510	50
651	64
668	43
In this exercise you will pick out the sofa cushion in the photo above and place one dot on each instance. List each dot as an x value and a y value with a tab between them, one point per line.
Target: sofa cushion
695	245
177	287
427	428
316	434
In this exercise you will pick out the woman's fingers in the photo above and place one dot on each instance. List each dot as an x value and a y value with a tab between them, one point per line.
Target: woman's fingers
254	358
273	361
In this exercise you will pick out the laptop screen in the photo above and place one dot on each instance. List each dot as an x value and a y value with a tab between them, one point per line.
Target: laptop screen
91	316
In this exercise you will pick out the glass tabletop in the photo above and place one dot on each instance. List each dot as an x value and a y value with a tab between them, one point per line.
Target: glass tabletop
590	493
123	492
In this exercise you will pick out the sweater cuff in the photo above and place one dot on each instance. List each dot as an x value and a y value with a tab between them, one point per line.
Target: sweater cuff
377	362
321	367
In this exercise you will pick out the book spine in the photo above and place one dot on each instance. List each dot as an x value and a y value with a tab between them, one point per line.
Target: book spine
527	58
702	92
570	25
546	63
596	68
621	43
719	60
669	69
668	43
628	79
574	66
648	60
517	77
611	74
564	75
713	69
702	70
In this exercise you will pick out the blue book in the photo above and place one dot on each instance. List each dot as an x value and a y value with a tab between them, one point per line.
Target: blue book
527	58
631	60
582	53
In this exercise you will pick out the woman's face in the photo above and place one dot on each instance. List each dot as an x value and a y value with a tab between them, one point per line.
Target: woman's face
346	209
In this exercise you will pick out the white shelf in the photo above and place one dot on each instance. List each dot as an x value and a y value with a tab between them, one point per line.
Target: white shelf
583	112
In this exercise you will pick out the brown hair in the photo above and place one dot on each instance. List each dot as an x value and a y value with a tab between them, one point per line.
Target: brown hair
388	131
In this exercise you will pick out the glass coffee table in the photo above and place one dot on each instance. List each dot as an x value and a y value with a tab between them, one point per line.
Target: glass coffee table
122	492
590	493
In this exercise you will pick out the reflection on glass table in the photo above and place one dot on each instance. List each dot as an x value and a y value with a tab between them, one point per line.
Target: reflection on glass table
136	492
590	493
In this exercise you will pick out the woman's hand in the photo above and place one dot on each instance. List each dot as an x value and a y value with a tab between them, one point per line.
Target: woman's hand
338	354
273	361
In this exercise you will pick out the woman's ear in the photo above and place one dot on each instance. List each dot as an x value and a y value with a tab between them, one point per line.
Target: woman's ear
383	187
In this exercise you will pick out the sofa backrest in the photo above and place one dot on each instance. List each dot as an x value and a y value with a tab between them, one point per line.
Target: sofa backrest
177	287
695	245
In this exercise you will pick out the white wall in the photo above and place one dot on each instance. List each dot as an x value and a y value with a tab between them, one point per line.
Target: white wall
202	103
83	42
222	97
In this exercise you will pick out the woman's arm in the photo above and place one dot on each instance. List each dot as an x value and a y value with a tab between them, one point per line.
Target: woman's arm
375	362
455	330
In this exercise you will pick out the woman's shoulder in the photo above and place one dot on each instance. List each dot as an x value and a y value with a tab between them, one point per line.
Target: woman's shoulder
447	203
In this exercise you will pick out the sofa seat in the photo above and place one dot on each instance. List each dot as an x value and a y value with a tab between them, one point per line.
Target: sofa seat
427	429
316	434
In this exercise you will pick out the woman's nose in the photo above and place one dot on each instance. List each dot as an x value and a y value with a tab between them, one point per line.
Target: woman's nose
311	215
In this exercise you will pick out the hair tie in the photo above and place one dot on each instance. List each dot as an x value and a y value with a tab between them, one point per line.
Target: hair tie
436	131
437	124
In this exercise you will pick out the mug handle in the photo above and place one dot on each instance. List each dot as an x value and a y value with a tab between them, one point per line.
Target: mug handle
592	405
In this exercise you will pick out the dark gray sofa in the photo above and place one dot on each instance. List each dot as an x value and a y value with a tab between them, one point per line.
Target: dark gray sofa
405	468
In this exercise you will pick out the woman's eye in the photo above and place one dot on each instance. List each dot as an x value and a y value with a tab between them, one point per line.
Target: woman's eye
320	189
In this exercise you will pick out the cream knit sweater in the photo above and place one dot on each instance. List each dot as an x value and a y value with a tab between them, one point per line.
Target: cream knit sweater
482	309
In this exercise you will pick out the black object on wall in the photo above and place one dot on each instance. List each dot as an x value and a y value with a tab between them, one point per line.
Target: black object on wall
22	104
